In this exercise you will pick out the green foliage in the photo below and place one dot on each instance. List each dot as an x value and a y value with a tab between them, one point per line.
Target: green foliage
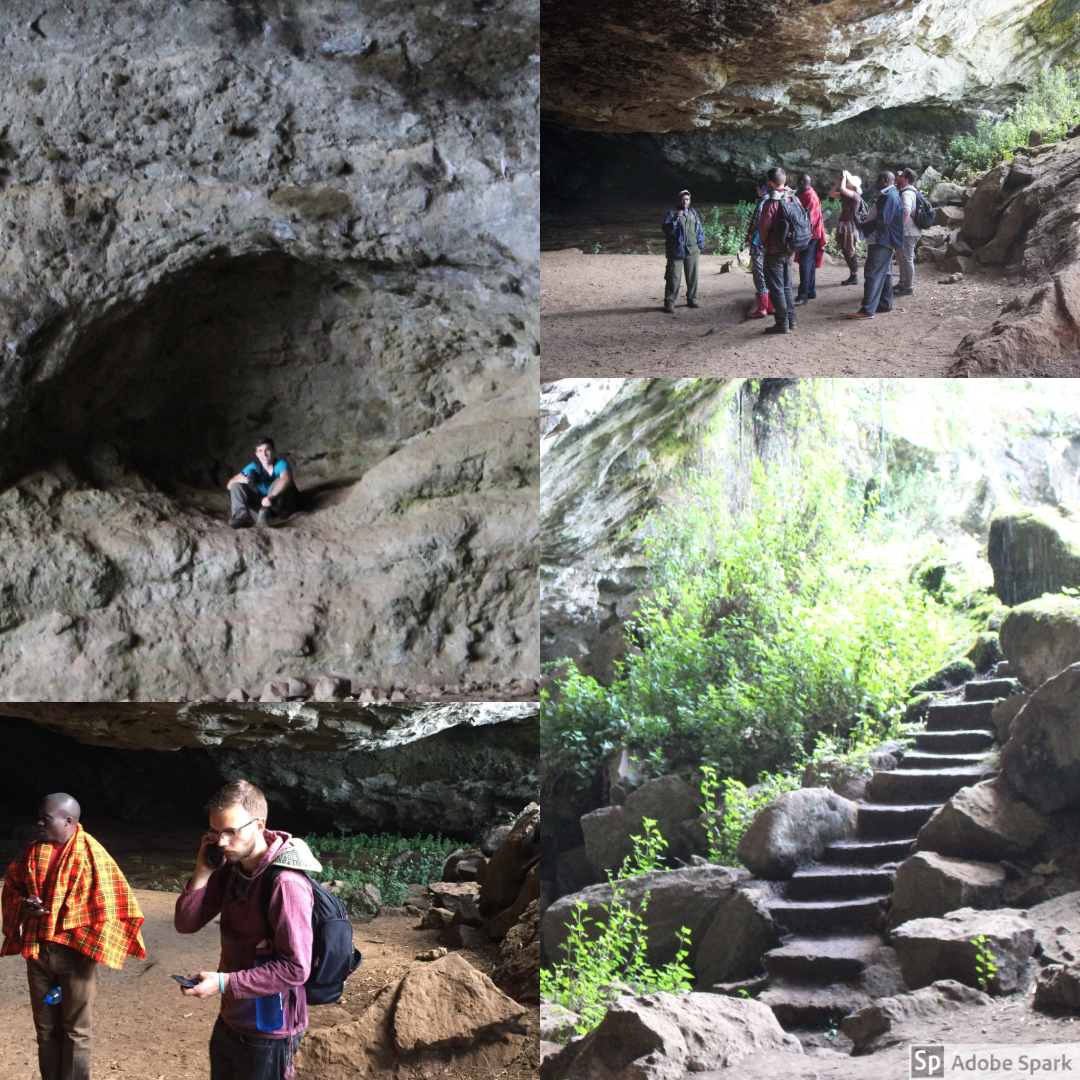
373	853
833	248
1052	105
782	611
947	677
647	849
985	966
613	951
725	227
831	204
741	806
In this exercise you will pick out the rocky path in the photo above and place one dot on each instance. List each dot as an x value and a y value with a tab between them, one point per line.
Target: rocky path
836	912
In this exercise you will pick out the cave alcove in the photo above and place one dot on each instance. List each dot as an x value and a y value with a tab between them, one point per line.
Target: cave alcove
177	385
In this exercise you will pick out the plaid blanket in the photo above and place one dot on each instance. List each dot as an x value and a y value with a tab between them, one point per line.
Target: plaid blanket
812	203
92	910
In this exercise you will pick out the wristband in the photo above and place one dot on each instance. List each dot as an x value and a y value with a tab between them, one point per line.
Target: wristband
221	983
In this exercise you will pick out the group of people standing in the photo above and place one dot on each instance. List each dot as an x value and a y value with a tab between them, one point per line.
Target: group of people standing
888	226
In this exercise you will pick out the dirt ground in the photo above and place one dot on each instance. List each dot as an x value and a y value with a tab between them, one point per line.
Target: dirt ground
601	315
145	1028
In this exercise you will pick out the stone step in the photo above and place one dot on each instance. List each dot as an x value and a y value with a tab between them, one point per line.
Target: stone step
812	1008
829	916
1004	670
989	689
954	742
867	852
907	786
930	759
961	715
883	822
822	960
838	883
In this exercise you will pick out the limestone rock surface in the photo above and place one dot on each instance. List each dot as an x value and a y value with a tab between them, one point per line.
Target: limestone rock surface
677	898
930	885
236	217
794	829
1032	551
1030	221
1042	637
665	1036
607	447
932	949
985	822
1041	760
739	933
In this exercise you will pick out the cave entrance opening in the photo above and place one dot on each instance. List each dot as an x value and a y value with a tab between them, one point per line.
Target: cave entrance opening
177	386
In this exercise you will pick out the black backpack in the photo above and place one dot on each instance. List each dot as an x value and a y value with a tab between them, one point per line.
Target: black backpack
333	957
924	213
791	225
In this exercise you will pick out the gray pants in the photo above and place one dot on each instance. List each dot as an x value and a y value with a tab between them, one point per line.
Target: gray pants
757	268
905	256
248	497
63	1031
673	276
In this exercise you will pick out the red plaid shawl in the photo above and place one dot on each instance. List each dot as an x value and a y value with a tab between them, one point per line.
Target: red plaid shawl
812	203
93	908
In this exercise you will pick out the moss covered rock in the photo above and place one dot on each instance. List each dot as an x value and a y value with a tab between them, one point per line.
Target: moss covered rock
1032	552
985	652
947	677
1042	637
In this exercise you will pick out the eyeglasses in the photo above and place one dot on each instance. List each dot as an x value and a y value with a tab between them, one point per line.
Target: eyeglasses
229	833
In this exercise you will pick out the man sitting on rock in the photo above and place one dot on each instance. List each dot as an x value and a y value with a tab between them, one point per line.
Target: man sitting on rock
67	909
266	486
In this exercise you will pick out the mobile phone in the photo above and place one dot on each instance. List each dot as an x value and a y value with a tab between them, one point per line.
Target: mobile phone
214	855
183	980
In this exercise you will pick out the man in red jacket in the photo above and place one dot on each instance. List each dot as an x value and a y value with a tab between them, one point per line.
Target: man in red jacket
809	260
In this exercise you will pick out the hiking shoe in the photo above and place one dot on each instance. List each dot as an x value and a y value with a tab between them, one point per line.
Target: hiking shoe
776	328
853	280
275	521
859	315
791	325
263	518
240	521
692	303
669	309
904	292
800	302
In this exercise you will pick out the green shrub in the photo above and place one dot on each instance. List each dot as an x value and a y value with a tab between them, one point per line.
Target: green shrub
614	951
781	611
741	806
725	227
1052	105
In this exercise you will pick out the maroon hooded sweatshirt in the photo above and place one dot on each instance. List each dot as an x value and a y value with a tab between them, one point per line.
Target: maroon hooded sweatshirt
236	896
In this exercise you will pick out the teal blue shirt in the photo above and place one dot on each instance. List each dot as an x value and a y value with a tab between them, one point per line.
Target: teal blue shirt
263	479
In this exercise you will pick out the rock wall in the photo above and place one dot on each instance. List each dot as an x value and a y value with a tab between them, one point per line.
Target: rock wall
771	66
1025	214
607	448
312	221
454	769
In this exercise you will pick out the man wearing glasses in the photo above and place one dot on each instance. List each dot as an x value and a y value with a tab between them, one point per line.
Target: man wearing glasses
257	960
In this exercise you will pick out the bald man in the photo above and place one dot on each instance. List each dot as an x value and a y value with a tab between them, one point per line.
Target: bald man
67	871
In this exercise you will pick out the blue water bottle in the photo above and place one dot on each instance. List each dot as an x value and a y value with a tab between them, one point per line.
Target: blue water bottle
53	996
268	1012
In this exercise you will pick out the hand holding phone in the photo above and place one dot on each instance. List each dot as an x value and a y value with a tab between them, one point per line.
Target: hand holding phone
215	856
183	980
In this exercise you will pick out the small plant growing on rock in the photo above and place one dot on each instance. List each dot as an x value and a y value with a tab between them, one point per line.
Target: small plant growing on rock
985	968
739	807
612	953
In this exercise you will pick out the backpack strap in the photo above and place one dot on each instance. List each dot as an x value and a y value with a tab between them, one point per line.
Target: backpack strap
269	876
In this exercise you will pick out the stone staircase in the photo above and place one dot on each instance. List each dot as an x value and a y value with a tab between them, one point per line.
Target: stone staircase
834	913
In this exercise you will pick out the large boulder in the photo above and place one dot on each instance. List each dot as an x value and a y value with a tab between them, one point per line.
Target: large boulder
1057	928
1042	759
794	829
905	1017
517	972
983	209
740	931
677	898
1041	637
668	801
1032	551
665	1036
985	822
929	885
932	949
444	1010
505	873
